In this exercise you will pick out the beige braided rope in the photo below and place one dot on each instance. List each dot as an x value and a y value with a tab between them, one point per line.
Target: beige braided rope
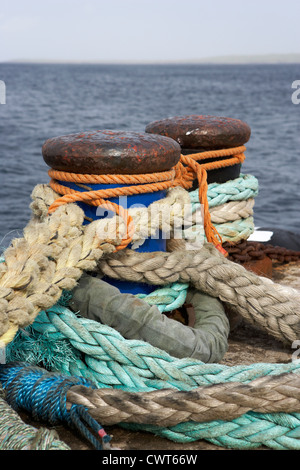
258	300
51	256
168	407
232	210
55	250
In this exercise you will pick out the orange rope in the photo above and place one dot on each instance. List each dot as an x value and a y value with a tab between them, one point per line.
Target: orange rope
94	197
236	152
238	156
182	174
112	179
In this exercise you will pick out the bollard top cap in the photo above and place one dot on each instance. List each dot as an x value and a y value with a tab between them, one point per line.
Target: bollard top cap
111	152
202	132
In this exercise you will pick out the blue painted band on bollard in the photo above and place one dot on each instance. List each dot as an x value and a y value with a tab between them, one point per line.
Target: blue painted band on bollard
157	243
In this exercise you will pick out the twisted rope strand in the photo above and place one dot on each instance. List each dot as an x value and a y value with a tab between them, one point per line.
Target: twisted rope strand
258	300
247	431
239	189
237	230
216	402
237	152
231	211
49	258
111	179
111	360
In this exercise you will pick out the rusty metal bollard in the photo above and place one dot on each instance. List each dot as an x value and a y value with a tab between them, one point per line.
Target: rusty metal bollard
200	133
119	154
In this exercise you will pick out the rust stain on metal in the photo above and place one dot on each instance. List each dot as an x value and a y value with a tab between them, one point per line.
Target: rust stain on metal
200	132
262	267
111	152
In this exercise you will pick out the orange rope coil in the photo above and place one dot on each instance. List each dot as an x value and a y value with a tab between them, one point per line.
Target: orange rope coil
182	174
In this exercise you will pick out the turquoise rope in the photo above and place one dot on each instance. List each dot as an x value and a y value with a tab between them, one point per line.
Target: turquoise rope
98	341
234	231
111	361
237	230
167	298
239	189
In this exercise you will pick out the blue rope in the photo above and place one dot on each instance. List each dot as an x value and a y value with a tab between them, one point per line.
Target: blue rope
43	394
79	414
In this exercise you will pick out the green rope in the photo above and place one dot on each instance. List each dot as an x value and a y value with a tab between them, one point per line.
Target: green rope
37	349
167	298
111	361
239	189
237	230
246	432
103	346
234	231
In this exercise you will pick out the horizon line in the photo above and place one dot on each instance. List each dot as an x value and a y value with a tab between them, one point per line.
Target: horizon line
287	58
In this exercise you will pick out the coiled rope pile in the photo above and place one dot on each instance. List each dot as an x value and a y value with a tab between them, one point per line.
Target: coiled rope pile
51	257
231	207
194	413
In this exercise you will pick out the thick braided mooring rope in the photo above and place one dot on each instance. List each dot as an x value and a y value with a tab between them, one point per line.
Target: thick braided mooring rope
101	354
141	371
256	299
109	363
56	249
52	255
135	366
227	401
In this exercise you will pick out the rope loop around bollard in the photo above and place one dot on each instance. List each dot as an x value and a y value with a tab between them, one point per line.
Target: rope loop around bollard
182	175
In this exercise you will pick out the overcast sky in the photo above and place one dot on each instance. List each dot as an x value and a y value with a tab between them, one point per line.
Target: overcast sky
146	30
